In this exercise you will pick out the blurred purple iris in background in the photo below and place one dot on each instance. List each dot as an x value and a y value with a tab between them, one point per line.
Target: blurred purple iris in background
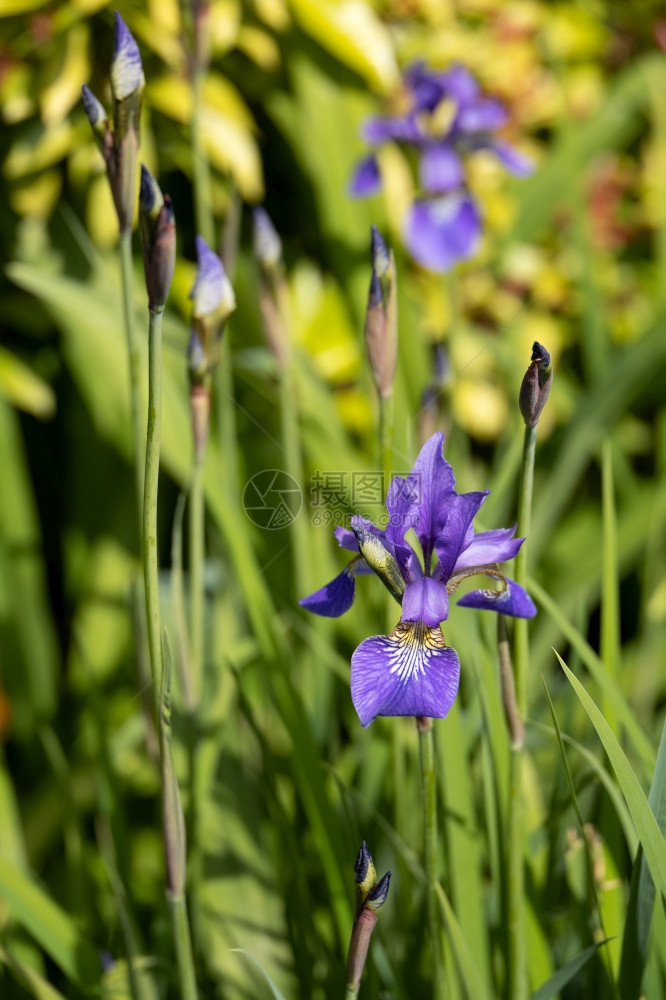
447	118
413	671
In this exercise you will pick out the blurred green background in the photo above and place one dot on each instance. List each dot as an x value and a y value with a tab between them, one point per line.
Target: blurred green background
574	257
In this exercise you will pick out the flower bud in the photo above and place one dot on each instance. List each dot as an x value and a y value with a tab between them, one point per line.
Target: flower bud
158	240
536	385
126	70
381	318
377	896
273	303
379	559
266	242
96	115
364	873
127	83
213	302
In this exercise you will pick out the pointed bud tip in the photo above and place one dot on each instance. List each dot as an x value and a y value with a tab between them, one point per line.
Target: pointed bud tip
377	896
126	68
93	108
266	241
379	254
540	355
363	862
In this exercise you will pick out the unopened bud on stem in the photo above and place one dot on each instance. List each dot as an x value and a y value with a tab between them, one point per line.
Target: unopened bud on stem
158	240
381	318
536	385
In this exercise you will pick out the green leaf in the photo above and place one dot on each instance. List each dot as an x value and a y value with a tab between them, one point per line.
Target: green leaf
25	390
559	980
607	684
277	994
641	896
649	834
351	31
30	978
467	969
50	925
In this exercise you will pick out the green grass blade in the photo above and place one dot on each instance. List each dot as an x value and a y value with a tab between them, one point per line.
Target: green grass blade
649	834
607	684
641	896
50	925
559	980
276	993
467	968
35	984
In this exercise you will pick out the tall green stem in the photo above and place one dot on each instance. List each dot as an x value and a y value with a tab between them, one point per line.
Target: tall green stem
184	959
518	984
386	439
429	787
200	169
196	521
133	356
521	645
294	467
149	534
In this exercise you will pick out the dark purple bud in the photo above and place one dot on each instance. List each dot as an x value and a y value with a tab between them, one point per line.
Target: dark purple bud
535	386
363	865
377	896
158	240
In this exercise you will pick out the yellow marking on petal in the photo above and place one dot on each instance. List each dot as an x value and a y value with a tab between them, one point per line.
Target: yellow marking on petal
414	644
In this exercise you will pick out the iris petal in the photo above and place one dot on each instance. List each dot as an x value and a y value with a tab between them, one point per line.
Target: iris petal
426	601
484	115
335	597
410	672
513	601
454	515
441	231
516	163
366	179
440	169
488	547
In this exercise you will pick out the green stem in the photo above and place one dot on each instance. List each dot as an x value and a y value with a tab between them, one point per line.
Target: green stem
196	512
429	786
184	959
134	369
521	645
293	466
386	439
351	992
149	534
200	168
518	984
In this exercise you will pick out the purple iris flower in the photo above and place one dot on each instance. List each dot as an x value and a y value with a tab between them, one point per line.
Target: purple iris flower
447	118
412	671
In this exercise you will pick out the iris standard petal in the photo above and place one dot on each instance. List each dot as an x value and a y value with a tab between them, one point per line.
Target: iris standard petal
377	130
488	547
410	672
425	87
459	84
441	231
335	598
425	600
454	513
366	179
513	601
440	169
417	501
516	163
483	115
